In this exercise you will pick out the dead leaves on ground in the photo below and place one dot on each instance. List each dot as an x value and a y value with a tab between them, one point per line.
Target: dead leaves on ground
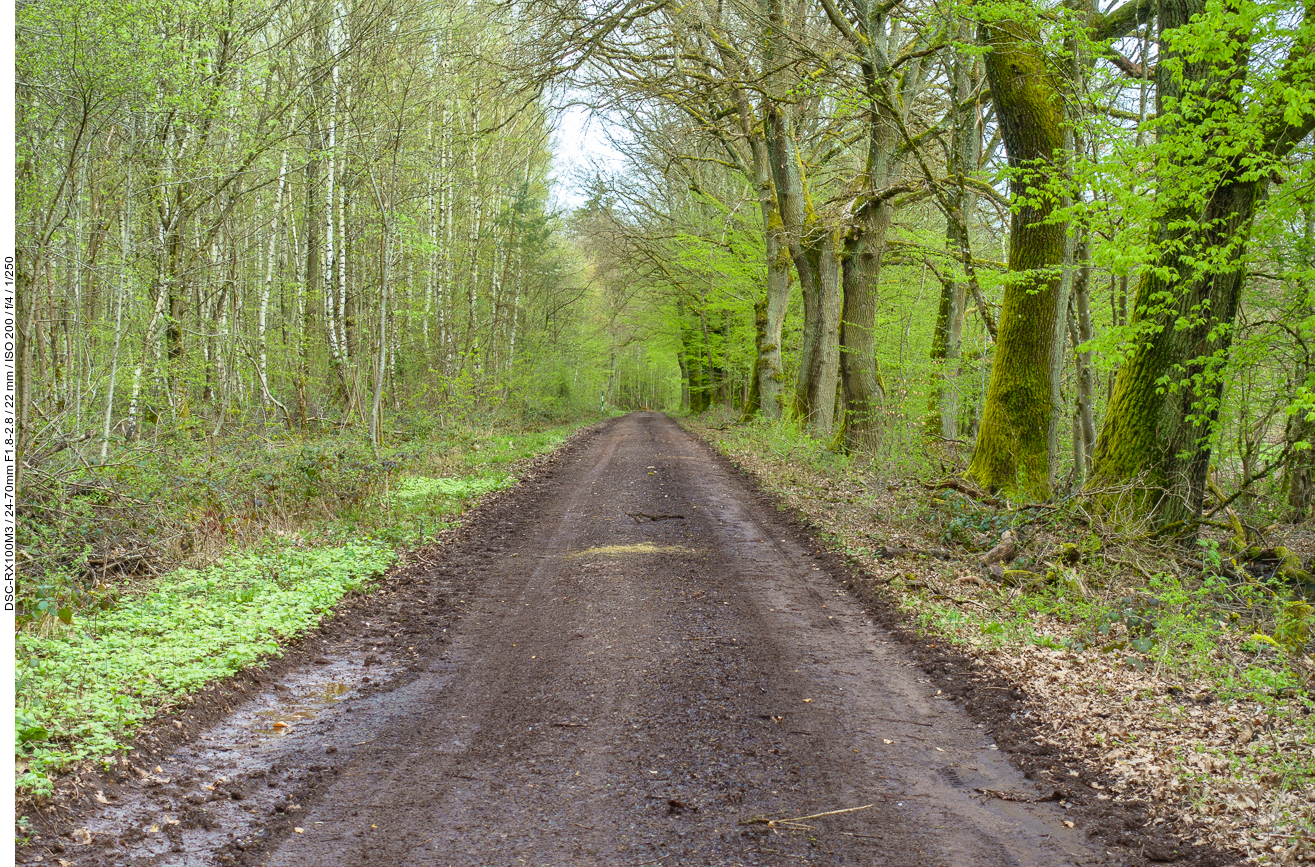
1207	763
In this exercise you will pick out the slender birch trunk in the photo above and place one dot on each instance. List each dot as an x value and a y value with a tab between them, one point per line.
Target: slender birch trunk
271	252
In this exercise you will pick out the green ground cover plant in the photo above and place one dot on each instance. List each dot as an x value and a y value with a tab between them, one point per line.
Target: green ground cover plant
276	534
83	689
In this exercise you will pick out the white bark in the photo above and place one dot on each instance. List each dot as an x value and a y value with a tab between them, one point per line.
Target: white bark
376	410
270	260
125	218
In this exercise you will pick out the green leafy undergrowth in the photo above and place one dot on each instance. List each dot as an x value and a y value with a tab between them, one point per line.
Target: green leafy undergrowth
86	681
81	690
154	506
421	496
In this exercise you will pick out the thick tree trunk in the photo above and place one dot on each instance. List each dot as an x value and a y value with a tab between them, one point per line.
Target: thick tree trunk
767	385
1014	443
819	362
1165	400
862	268
1156	437
812	247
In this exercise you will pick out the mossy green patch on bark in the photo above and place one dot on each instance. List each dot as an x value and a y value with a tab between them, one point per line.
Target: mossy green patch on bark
1013	444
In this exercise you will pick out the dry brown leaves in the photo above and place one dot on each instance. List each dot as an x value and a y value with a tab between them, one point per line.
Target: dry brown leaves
1168	746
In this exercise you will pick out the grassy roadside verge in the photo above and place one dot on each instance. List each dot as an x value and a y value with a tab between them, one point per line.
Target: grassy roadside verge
103	648
1188	691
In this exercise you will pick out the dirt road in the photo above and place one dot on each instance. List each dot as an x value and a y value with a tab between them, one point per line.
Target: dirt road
625	662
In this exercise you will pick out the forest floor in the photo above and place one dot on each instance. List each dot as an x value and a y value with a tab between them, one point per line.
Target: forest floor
1183	696
633	657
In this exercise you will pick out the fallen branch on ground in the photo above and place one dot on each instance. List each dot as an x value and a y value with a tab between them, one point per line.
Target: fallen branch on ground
964	488
1021	799
886	552
763	820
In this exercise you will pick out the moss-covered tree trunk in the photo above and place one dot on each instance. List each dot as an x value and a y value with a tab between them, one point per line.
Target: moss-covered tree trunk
1165	400
812	247
815	393
1014	443
1157	434
873	35
811	243
769	366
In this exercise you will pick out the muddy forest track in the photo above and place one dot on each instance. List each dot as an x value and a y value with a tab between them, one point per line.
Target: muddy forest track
625	662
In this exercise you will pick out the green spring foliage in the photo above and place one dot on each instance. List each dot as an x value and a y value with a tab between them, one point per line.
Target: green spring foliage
84	689
97	658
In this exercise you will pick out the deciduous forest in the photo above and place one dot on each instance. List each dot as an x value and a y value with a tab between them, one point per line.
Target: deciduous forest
1046	269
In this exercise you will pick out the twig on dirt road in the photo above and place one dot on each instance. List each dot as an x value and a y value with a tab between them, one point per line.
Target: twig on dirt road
763	820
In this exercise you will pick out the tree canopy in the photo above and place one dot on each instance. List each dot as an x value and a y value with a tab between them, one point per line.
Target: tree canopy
1052	248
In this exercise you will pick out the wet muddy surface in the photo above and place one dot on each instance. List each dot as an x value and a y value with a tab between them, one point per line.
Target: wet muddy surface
630	659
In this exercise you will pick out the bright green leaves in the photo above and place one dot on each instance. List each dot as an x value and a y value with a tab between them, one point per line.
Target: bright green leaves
89	686
28	730
418	495
85	683
1298	104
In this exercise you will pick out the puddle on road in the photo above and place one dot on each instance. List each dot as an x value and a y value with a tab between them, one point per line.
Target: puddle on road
243	766
279	720
641	548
